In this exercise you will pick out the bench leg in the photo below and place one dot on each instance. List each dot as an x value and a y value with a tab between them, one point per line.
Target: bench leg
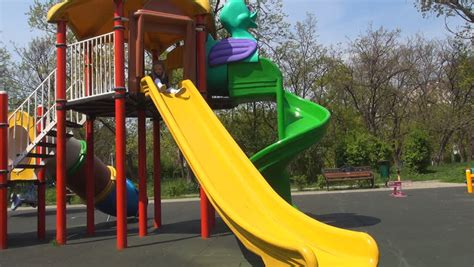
327	185
372	182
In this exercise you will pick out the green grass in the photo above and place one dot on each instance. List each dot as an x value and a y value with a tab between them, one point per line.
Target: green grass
174	188
450	173
51	197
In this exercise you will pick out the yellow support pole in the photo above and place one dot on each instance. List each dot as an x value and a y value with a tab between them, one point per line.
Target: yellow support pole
469	180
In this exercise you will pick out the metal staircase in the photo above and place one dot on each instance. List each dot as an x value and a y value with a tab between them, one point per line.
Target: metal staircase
90	73
37	114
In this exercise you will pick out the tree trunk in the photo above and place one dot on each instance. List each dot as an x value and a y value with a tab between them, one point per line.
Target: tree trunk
471	145
182	165
442	147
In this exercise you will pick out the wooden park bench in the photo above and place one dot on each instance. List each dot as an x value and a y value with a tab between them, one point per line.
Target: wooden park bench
348	174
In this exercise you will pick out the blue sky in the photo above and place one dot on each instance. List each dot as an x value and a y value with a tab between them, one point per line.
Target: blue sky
13	23
337	19
342	19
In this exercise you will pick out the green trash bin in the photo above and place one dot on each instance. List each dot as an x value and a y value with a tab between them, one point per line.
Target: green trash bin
384	168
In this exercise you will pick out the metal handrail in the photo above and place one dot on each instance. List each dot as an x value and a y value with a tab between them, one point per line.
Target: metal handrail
92	63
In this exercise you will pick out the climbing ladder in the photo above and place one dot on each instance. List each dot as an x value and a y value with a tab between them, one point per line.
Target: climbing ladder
37	113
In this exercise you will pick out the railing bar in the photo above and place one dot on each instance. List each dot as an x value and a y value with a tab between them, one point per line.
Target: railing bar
36	114
73	70
31	94
101	67
83	71
107	65
88	40
92	69
14	131
43	107
73	67
96	63
79	75
99	58
111	59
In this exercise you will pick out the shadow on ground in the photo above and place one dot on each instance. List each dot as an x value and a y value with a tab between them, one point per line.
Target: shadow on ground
346	220
34	213
107	231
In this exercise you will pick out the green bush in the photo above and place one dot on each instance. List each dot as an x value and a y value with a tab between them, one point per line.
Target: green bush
360	149
321	182
178	187
308	163
417	152
300	181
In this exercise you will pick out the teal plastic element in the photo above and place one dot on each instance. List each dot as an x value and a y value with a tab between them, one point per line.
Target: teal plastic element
301	123
216	76
237	20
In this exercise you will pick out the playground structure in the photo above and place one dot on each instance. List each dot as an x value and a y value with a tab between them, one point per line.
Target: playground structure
469	177
251	196
397	186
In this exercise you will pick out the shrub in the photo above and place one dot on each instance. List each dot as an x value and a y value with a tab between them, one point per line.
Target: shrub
360	149
417	152
300	181
178	187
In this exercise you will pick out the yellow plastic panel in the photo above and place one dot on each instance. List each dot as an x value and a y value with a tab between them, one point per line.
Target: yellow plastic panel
264	222
20	128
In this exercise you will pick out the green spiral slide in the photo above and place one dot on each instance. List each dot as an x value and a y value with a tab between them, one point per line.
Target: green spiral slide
301	123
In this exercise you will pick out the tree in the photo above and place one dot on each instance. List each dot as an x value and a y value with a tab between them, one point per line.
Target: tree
374	61
5	69
303	60
417	155
37	15
448	8
36	63
453	93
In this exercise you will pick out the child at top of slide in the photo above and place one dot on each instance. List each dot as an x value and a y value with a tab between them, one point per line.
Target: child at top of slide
158	75
161	79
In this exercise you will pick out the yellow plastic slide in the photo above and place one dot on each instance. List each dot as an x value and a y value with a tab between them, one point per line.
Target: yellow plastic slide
264	222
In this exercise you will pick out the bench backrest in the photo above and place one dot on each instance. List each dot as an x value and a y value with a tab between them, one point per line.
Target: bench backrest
348	172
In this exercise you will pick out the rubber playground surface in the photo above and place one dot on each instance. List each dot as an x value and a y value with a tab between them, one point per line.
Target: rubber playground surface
431	227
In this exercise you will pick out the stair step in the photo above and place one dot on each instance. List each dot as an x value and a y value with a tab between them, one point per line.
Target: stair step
28	166
37	155
72	124
54	133
46	144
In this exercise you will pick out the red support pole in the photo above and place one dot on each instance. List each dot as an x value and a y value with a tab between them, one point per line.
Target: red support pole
156	162
120	125
90	184
207	211
90	188
156	173
201	54
88	70
61	134
142	191
3	168
205	214
41	224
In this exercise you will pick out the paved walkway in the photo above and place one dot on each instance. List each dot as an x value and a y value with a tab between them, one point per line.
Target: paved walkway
431	227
